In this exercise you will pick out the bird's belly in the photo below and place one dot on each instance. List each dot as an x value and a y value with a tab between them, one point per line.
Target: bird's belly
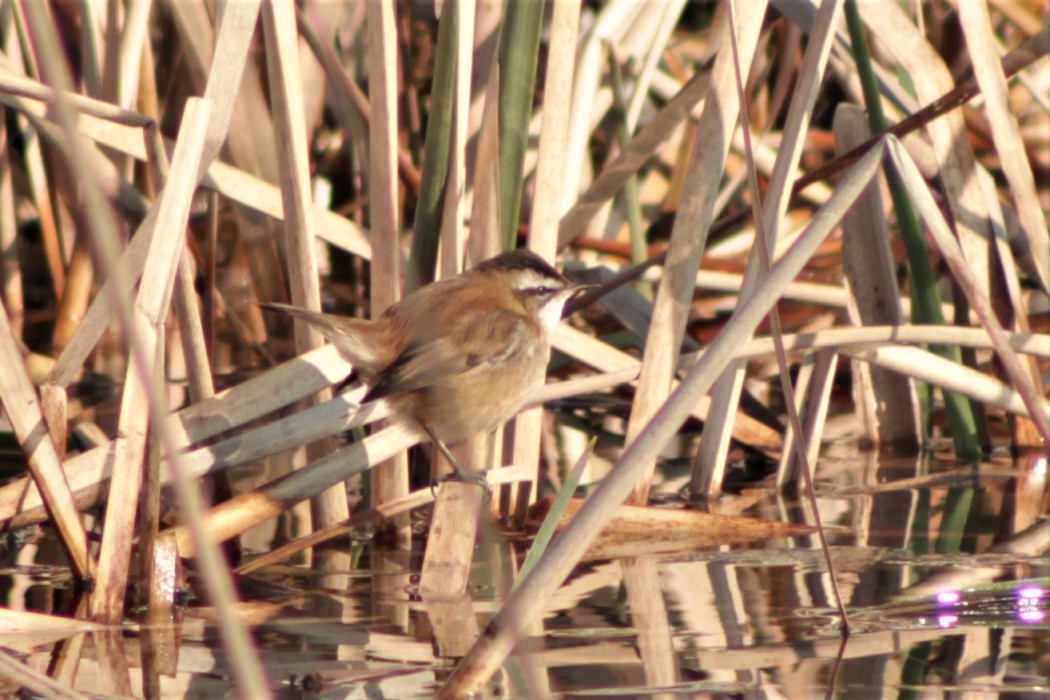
477	402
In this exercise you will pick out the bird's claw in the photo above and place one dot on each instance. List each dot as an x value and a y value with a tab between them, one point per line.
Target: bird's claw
464	477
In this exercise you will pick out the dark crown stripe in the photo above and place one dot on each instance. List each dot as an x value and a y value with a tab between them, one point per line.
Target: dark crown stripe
519	260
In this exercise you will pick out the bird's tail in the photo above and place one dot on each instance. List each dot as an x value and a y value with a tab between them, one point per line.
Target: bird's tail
351	336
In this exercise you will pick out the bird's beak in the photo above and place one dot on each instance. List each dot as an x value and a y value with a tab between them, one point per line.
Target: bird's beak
577	302
578	288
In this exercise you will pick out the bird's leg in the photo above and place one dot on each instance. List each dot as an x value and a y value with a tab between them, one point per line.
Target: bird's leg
458	472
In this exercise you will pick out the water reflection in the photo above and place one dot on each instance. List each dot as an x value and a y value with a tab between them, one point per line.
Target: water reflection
942	568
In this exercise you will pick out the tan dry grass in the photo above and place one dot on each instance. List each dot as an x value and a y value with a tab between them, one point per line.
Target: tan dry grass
70	161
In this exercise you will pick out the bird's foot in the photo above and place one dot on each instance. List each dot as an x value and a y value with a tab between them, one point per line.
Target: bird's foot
465	477
458	472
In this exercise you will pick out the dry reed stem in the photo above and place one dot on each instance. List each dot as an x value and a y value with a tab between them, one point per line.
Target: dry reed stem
520	608
327	18
960	265
956	162
1009	147
191	333
15	84
813	410
292	158
149	511
640	530
133	36
11	285
23	629
585	107
389	479
97	318
552	175
807	292
454	625
689	236
341	81
446	567
606	358
765	158
1009	144
342	413
641	582
933	369
212	55
298	428
207	419
47	213
151	309
408	502
282	55
709	468
16	671
669	13
265	393
1013	63
789	469
818	293
33	156
454	520
771	213
87	471
86	337
54	405
485	223
121	131
887	403
27	421
641	148
76	296
456	202
253	507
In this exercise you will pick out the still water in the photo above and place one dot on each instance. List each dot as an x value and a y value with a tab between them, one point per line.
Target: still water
942	569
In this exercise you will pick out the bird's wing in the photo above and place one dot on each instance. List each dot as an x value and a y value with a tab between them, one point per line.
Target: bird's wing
477	342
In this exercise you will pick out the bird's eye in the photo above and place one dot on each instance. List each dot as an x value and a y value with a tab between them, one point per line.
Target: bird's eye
541	291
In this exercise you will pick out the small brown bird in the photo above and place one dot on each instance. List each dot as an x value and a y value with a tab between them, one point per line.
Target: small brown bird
460	356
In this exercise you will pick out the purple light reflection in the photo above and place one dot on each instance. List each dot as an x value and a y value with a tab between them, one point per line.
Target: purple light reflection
1031	592
948	597
1028	598
1031	617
